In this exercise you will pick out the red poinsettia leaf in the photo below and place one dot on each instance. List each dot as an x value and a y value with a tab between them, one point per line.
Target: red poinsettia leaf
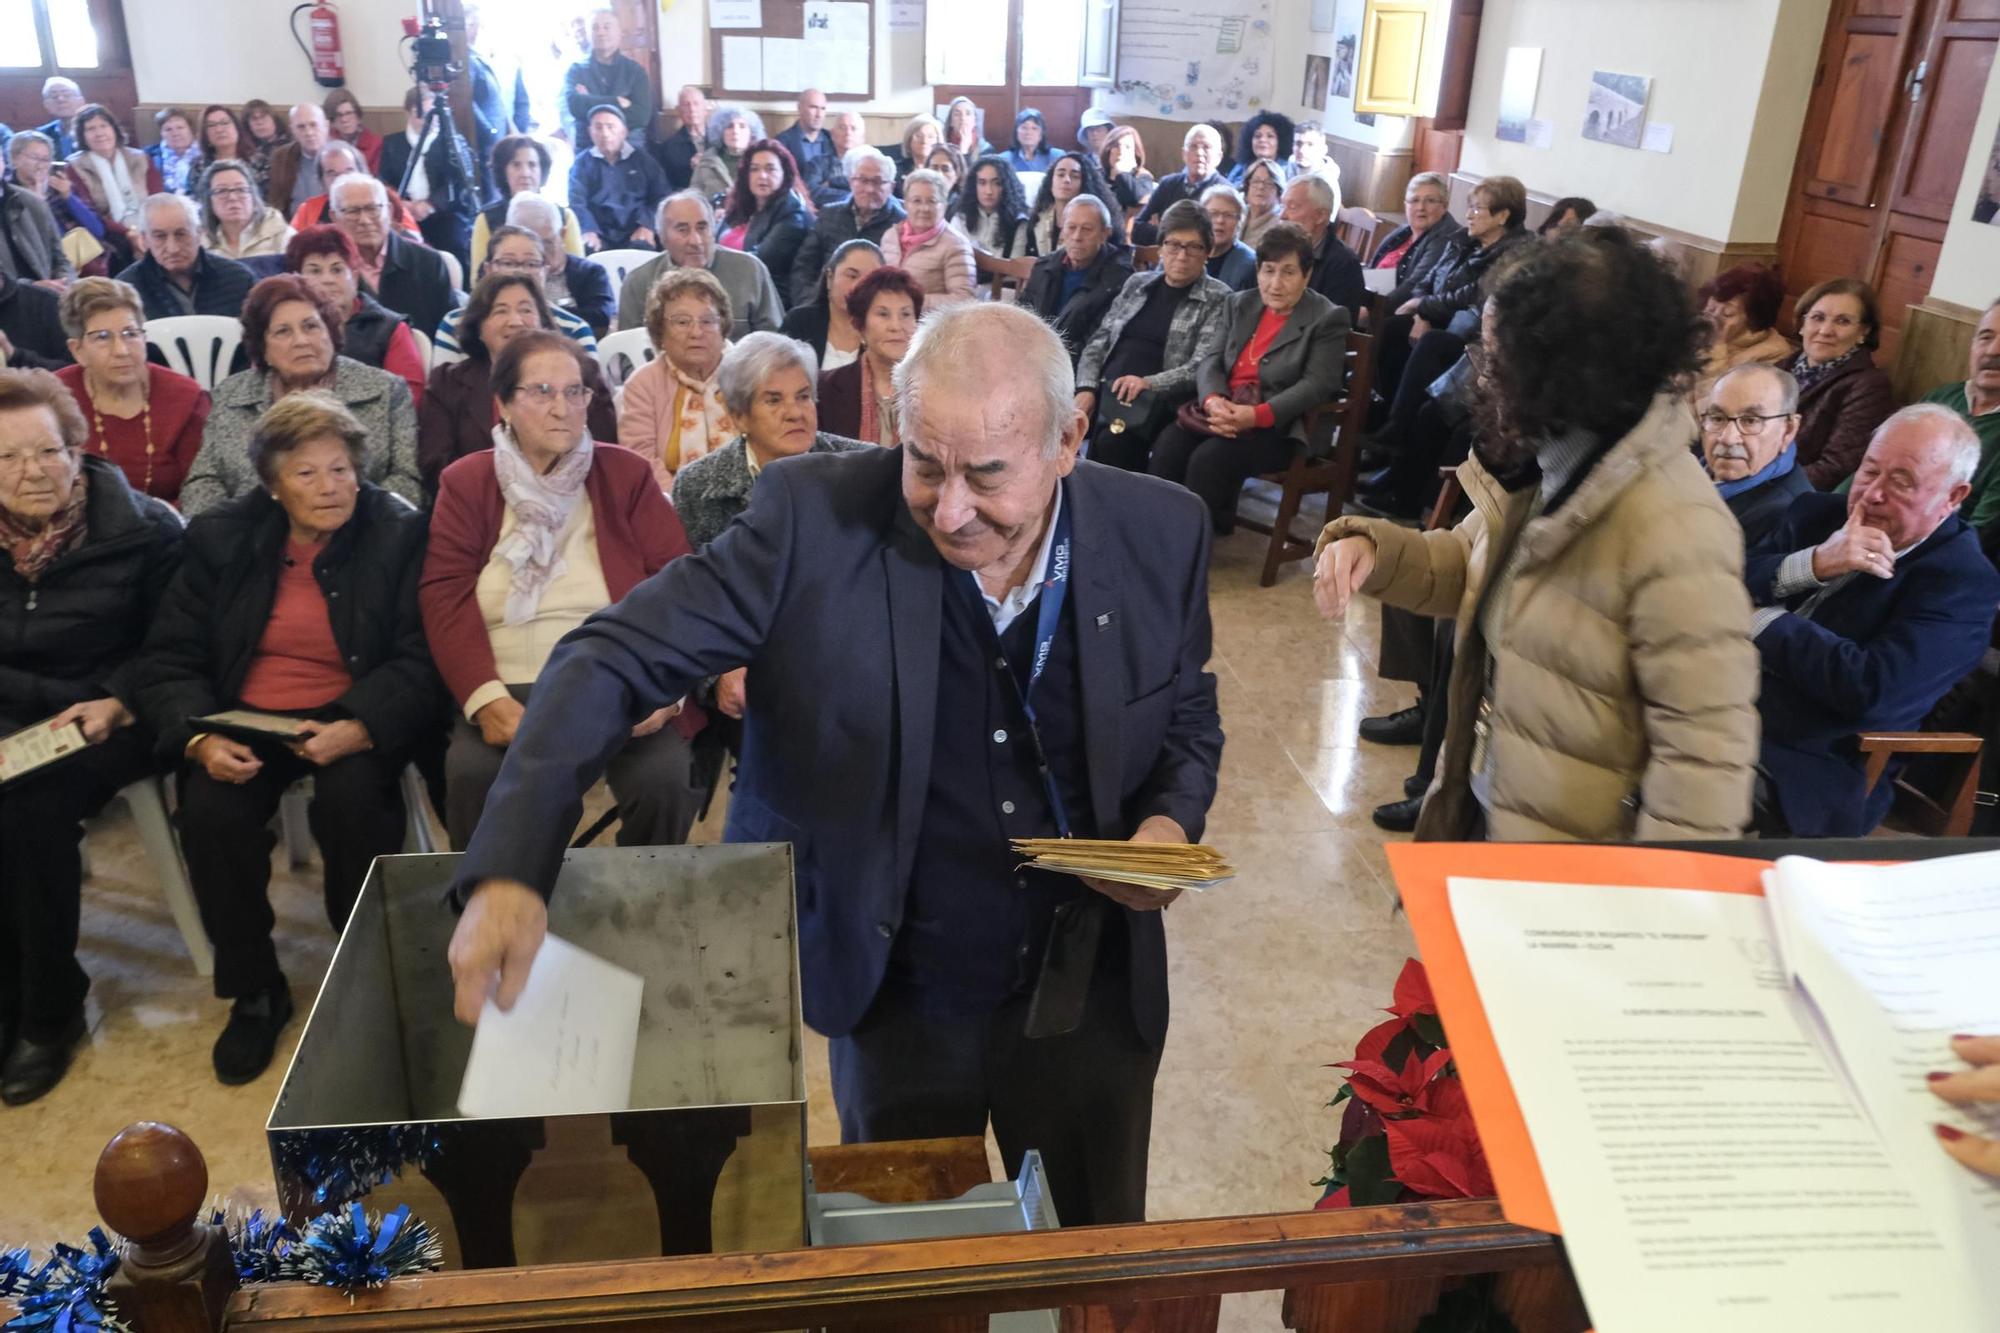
1375	1042
1413	991
1376	1084
1357	1122
1440	1159
1337	1199
1445	1099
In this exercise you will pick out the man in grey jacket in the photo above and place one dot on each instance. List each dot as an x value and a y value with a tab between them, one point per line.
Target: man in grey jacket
687	233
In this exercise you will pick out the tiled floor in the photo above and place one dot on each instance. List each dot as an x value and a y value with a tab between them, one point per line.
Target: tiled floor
1274	976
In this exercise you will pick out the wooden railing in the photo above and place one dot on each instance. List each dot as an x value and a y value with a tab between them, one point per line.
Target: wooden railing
1358	1270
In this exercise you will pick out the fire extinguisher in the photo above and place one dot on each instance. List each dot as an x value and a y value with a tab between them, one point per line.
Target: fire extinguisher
323	23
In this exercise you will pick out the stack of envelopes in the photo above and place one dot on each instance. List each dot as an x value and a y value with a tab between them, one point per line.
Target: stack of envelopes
1164	866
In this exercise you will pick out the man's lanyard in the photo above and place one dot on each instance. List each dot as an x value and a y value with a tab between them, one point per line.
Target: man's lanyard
1048	620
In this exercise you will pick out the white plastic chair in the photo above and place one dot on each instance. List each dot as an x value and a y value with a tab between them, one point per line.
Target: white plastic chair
618	263
147	800
200	346
426	350
297	830
623	352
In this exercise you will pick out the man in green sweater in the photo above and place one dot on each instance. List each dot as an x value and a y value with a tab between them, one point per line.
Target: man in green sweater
1977	399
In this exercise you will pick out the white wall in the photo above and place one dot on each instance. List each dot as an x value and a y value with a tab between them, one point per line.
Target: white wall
233	50
1968	268
241	49
1731	76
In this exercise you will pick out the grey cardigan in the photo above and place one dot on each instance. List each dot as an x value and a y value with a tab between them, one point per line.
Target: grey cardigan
35	236
221	469
712	490
1193	336
1301	369
753	297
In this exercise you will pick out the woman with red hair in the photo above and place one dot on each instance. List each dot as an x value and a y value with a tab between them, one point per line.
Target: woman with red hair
768	213
1741	306
371	333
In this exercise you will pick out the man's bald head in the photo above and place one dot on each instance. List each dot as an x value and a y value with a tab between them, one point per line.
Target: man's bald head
308	124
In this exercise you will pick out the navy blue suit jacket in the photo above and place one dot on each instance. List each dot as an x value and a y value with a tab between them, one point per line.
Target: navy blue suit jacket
830	593
1876	655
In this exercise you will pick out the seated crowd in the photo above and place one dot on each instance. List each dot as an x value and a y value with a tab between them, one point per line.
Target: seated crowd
430	461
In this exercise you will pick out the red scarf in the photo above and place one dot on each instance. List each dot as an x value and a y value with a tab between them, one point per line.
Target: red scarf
34	552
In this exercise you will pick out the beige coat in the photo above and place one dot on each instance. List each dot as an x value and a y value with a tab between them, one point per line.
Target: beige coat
1624	701
1767	348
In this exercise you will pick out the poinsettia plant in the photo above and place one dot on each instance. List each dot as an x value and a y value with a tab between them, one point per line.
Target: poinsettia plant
1406	1129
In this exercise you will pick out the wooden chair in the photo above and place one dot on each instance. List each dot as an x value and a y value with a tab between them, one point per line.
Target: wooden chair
1444	513
1325	462
1145	257
1961	787
1356	228
1003	273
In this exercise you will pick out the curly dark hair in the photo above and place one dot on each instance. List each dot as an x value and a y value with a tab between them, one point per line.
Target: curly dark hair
263	302
1093	183
1279	123
1760	289
739	205
1586	332
503	153
1573	203
886	278
1013	208
480	305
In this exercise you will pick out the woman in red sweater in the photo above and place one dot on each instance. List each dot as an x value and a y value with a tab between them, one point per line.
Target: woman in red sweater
526	540
145	418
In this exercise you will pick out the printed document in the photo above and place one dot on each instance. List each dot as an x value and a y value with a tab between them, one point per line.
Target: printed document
567	1045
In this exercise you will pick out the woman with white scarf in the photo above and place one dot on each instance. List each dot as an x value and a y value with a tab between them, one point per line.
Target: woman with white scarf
670	411
115	177
527	539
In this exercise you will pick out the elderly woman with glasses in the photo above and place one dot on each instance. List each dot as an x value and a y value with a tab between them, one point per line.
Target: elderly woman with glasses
670	411
235	221
521	253
731	131
343	118
521	166
86	560
459	412
1414	249
76	241
528	539
144	418
938	256
296	605
370	332
292	338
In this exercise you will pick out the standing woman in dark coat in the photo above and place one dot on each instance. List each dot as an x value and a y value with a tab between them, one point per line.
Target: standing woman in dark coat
83	560
297	598
768	213
459	411
1843	394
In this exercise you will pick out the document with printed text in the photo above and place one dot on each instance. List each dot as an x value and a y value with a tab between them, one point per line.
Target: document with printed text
31	747
1708	1158
567	1045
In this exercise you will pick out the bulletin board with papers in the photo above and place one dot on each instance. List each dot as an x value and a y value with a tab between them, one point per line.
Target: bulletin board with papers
823	44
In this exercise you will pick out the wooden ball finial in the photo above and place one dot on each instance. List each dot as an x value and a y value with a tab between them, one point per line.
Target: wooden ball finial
151	1183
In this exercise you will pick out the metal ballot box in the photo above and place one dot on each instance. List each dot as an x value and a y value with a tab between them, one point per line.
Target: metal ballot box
711	1154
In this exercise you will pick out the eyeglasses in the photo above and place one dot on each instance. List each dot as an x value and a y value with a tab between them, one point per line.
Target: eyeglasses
12	463
1475	207
684	323
545	395
515	265
1750	423
131	336
1182	247
34	159
230	192
364	211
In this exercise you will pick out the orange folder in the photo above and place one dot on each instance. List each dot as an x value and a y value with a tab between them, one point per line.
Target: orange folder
1421	869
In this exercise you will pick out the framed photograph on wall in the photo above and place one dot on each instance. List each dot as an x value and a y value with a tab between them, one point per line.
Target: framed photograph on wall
1617	111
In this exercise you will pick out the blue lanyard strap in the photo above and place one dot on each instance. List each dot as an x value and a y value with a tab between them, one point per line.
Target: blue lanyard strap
1048	621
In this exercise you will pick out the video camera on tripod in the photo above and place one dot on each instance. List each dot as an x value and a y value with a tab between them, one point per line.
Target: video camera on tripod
430	53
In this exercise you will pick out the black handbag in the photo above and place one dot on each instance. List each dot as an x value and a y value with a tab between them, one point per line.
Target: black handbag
1145	416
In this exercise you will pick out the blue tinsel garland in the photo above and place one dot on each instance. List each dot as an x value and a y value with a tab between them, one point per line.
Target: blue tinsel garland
66	1293
17	1270
257	1243
341	1165
352	1250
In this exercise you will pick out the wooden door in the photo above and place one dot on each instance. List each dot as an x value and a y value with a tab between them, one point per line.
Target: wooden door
1003	95
1886	139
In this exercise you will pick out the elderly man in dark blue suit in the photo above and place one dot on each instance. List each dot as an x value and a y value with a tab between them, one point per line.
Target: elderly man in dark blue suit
972	638
1870	607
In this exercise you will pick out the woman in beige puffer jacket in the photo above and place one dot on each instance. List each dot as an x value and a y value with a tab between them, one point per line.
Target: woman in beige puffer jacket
1623	683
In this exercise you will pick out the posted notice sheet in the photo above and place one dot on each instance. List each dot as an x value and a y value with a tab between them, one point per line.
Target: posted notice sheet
567	1045
1708	1162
